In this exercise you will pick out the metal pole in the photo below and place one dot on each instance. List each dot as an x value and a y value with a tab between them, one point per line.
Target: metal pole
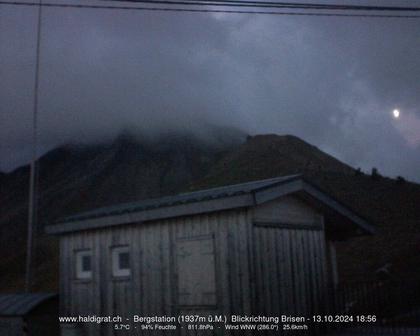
32	206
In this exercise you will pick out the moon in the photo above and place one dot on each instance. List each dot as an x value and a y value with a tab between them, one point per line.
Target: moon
396	113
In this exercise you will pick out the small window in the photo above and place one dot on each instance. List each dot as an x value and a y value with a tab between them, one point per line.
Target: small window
84	264
121	261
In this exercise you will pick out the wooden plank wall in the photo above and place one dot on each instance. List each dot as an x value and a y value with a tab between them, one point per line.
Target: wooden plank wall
289	258
152	287
259	269
290	272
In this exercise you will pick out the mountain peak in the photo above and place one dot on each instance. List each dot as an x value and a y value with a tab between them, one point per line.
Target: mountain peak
277	140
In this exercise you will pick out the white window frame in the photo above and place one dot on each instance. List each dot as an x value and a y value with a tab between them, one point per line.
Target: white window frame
117	271
80	273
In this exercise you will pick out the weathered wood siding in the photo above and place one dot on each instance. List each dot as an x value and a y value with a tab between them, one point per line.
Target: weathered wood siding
289	258
290	277
152	288
286	209
260	266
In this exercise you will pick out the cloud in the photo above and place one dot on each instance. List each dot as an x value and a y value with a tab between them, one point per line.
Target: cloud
331	81
409	126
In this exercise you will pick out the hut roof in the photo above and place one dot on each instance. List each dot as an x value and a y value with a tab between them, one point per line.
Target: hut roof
22	303
221	198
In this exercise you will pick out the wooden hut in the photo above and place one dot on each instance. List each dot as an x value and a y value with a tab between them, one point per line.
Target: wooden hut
257	248
29	314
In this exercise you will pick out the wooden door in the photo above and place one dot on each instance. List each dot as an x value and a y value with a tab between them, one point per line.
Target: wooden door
196	274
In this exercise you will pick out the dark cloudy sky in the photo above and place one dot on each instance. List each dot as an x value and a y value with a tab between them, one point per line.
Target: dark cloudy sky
331	81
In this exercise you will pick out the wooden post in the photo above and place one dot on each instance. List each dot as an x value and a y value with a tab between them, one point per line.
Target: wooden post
32	206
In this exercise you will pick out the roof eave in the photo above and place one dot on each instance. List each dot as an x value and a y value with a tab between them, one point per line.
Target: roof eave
338	207
187	209
254	197
25	303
